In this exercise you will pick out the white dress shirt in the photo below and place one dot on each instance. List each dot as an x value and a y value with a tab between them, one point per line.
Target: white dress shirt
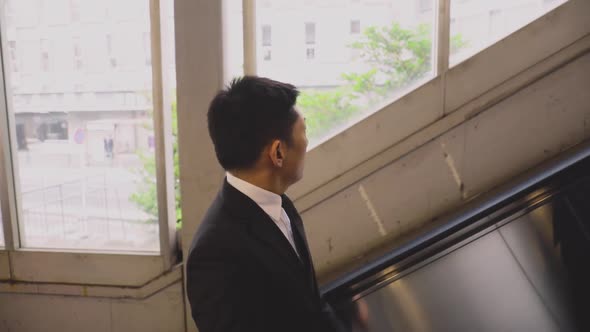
269	202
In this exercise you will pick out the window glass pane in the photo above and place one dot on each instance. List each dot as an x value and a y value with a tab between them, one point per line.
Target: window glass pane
233	39
266	35
348	58
476	24
80	86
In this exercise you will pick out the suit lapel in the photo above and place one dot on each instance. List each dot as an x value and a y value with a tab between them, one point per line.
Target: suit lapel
299	235
265	231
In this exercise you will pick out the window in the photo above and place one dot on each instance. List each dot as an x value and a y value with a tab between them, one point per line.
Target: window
343	79
83	161
266	35
233	21
147	48
267	55
129	47
310	33
112	59
310	53
45	64
77	50
476	24
355	27
12	58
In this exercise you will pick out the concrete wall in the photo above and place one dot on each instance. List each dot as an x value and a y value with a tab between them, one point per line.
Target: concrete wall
162	312
532	125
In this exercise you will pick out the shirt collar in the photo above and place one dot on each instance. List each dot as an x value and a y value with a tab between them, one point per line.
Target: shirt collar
269	202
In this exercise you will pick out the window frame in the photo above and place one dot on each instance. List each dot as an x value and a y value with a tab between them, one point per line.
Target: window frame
360	142
100	267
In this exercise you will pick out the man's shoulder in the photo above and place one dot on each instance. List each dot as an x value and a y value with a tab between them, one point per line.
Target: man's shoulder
219	233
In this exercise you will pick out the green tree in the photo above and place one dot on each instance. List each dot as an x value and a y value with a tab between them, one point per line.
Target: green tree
326	109
146	196
397	56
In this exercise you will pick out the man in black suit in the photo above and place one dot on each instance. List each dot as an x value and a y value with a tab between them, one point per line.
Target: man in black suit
249	267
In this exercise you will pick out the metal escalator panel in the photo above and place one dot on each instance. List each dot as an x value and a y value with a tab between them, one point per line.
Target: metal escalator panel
526	271
479	286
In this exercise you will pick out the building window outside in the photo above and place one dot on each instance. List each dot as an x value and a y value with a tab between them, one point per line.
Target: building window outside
355	27
267	55
310	53
112	58
77	49
12	55
266	35
310	33
45	61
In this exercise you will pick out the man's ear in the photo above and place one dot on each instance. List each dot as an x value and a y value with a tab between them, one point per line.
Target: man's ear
276	153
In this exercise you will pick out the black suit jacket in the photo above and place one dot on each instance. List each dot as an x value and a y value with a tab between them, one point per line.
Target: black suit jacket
243	275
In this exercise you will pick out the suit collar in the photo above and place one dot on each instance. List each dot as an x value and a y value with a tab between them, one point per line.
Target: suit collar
269	202
261	226
276	250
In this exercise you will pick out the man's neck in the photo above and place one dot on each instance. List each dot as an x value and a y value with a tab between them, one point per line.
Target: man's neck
261	179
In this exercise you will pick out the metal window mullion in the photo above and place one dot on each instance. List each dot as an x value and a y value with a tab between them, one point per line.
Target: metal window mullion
163	138
8	164
442	42
249	27
443	25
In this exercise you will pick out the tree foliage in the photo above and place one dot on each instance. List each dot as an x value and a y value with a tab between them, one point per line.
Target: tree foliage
146	196
397	57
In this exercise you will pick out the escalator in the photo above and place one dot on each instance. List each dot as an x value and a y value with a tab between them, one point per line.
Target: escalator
517	259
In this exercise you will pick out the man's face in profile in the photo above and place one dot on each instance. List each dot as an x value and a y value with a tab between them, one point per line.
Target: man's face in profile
295	152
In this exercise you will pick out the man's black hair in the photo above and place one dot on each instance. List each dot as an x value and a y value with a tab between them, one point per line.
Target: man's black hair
247	115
